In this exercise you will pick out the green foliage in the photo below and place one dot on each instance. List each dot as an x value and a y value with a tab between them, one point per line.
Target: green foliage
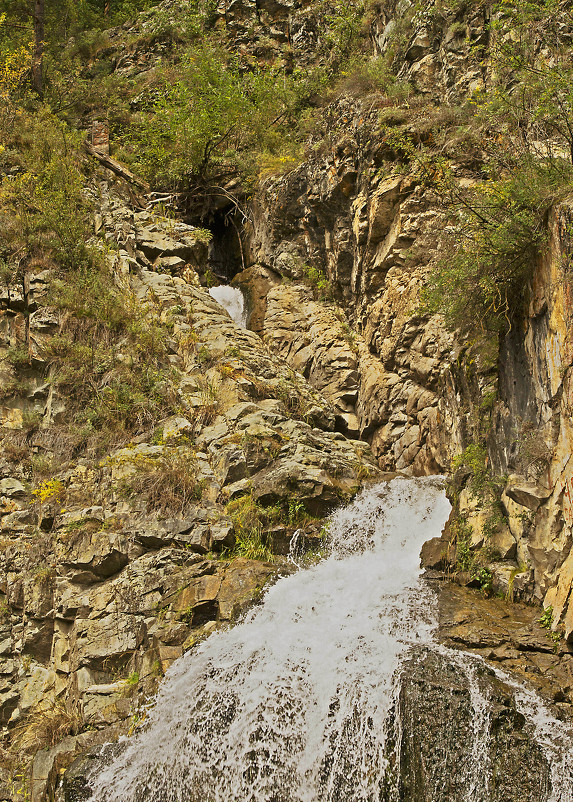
495	519
486	489
296	512
468	560
546	618
524	126
209	112
546	621
65	18
18	356
364	75
485	579
113	392
249	520
91	296
318	281
474	458
44	573
345	25
189	118
45	209
497	231
461	533
533	98
488	400
132	680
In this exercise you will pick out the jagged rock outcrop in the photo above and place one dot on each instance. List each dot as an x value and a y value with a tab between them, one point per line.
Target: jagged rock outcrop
508	635
386	366
439	756
532	433
415	392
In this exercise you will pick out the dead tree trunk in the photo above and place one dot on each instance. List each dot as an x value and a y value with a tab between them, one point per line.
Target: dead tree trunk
38	13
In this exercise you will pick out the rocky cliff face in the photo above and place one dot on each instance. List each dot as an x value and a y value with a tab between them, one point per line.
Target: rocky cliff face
353	224
436	757
110	571
532	425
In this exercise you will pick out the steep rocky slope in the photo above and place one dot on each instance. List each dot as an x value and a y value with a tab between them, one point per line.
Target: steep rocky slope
113	565
363	216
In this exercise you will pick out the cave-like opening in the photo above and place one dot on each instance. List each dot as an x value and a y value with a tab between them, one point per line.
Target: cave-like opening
226	257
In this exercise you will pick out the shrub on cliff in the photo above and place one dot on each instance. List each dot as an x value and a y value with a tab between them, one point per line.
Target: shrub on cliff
496	232
209	114
532	100
524	122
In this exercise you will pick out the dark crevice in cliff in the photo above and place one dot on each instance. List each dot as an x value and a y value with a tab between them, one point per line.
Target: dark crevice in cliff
226	256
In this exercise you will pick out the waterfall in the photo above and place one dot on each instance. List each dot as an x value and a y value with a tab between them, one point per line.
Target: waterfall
233	301
294	703
553	736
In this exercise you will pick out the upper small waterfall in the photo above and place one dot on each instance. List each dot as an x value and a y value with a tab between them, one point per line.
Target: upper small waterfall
233	300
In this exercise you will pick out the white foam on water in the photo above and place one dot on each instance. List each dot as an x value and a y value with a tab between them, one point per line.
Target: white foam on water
233	301
293	704
478	765
553	736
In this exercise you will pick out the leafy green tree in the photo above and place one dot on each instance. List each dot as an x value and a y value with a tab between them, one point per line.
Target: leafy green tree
532	98
210	115
497	229
495	232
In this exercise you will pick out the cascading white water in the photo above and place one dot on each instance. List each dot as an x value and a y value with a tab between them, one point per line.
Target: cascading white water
292	705
554	737
233	301
477	769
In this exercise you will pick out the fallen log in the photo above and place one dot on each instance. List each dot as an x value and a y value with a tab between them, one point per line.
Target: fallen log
116	167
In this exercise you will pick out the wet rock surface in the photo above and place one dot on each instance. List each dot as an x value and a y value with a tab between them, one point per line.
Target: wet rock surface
440	753
507	635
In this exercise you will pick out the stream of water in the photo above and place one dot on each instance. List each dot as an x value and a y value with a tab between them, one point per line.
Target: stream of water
233	301
291	705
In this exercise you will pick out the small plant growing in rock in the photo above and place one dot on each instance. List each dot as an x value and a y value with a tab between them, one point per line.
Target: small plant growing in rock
534	453
462	533
31	421
156	669
168	483
296	512
18	356
546	621
50	490
43	573
48	727
484	487
248	519
546	618
474	458
485	579
318	280
132	680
